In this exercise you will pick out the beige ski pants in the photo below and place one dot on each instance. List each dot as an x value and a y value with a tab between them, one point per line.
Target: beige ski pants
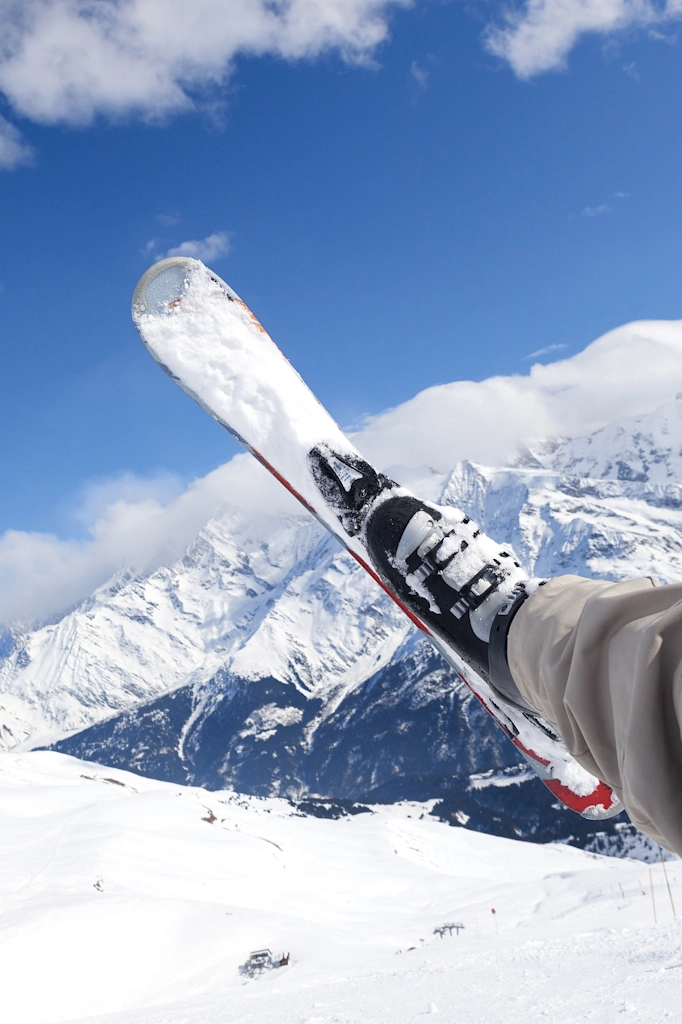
603	662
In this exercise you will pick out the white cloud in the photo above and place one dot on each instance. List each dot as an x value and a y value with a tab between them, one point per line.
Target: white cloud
69	61
595	211
545	351
98	497
148	522
66	61
205	249
627	371
14	150
539	35
420	74
131	522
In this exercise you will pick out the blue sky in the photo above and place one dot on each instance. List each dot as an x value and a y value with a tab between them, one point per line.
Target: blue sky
515	214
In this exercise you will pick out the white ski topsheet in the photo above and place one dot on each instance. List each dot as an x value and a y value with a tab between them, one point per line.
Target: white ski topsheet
218	352
220	355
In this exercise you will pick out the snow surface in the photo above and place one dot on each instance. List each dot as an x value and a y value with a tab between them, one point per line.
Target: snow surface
131	901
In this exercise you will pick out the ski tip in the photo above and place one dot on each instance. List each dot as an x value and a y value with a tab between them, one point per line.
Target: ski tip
162	284
166	283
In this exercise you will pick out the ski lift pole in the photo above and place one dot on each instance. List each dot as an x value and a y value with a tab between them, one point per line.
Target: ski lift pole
665	872
653	901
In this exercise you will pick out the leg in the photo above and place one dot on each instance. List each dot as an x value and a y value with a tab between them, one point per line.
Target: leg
603	662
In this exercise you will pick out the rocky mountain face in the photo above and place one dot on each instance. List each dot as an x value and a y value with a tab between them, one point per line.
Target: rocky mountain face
267	661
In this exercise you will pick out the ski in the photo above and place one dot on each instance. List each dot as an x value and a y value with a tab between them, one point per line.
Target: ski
209	342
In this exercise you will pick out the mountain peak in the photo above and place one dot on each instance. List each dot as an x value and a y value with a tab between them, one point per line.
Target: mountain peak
644	449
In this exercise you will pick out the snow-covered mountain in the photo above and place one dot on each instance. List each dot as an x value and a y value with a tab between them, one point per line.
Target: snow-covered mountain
266	660
647	449
138	637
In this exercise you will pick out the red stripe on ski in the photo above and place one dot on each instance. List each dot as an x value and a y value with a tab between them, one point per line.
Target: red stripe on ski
601	796
285	483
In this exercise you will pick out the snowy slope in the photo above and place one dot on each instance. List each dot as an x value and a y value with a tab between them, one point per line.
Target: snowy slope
136	901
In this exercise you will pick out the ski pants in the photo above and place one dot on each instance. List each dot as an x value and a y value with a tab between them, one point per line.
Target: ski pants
603	663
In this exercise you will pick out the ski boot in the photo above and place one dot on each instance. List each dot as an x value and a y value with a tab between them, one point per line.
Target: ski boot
465	587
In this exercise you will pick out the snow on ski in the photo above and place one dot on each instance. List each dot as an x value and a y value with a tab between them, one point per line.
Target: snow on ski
204	337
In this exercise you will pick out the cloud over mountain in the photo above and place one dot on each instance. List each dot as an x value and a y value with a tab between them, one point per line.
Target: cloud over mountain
628	371
129	522
144	523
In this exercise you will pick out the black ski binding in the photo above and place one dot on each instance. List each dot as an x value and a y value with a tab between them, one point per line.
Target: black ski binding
347	483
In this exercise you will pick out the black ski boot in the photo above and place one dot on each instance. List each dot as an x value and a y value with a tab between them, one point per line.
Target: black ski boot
465	587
